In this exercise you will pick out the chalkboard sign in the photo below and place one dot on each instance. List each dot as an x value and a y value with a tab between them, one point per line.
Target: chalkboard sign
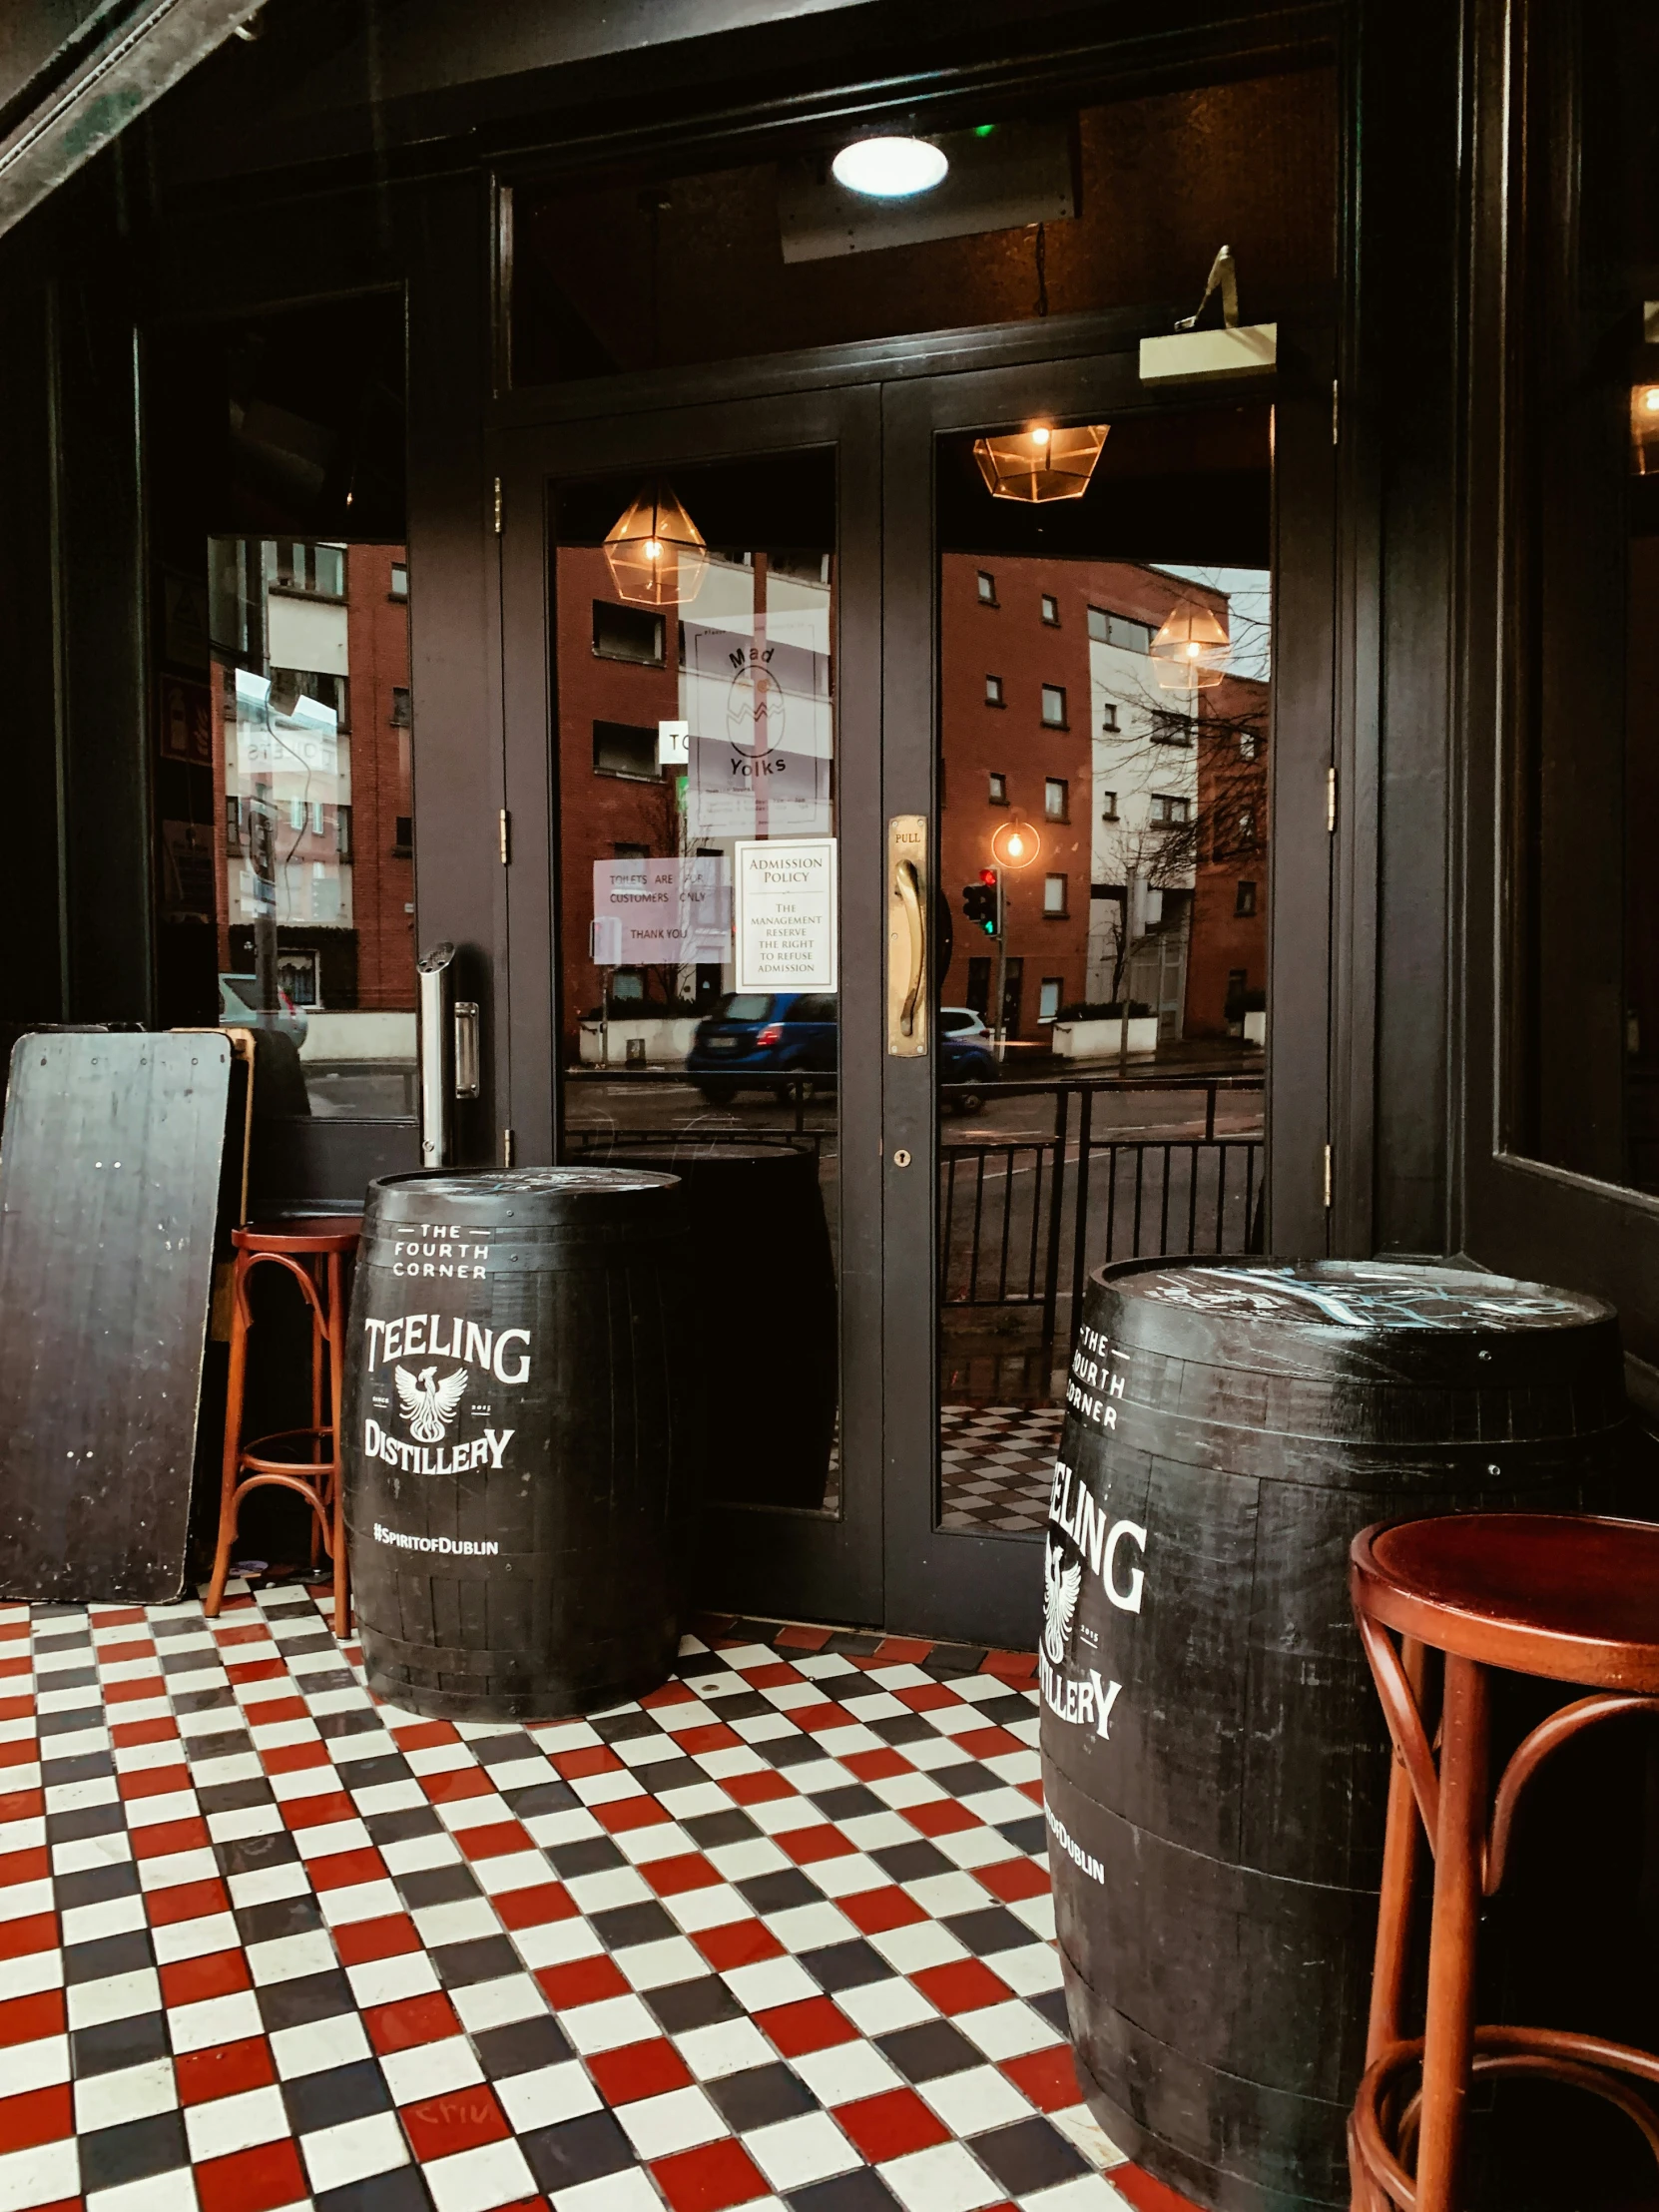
109	1172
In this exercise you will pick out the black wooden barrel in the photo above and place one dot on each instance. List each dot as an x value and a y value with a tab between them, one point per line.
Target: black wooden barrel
764	1316
520	1455
1215	1765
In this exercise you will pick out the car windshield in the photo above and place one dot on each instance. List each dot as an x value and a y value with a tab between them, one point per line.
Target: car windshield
954	1017
744	1006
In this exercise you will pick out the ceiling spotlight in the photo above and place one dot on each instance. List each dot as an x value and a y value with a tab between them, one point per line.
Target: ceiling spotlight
890	167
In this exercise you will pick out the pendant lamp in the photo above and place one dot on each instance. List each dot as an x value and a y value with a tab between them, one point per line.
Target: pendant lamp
656	552
1190	651
1041	463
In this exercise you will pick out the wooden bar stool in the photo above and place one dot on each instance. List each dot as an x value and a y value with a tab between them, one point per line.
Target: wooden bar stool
1566	1596
315	1253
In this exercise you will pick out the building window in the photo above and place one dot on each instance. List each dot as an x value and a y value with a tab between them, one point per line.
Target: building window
316	817
1122	630
1246	826
402	715
1243	898
232	824
1054	895
626	633
342	831
1249	744
999	790
402	836
293	565
993	692
1167	727
625	748
1168	810
1109	715
1108	805
296	815
1054	707
987	588
978	992
629	852
1048	996
1056	799
1051	612
399	580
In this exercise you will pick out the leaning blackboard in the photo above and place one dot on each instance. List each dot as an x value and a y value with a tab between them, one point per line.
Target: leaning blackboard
109	1189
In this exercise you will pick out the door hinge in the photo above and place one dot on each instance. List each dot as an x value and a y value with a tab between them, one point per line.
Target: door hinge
508	1146
506	837
1330	800
1336	428
1328	1177
498	506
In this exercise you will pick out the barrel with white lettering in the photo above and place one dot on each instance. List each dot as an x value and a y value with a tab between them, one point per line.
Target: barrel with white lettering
520	1451
1215	1764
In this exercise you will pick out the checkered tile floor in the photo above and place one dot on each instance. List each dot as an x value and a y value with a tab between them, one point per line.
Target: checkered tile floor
996	1465
777	1937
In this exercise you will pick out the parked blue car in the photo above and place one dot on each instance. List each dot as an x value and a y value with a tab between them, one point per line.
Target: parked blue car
787	1041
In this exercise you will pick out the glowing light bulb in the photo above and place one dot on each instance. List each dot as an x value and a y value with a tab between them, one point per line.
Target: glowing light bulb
1650	400
653	549
1039	437
1016	844
890	167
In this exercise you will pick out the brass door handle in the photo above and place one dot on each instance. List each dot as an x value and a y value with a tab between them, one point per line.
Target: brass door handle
909	898
907	937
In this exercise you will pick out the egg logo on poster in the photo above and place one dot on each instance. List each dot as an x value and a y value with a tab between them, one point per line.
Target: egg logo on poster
754	704
428	1405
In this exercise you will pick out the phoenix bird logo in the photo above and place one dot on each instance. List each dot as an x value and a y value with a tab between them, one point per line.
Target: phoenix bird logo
1061	1588
429	1406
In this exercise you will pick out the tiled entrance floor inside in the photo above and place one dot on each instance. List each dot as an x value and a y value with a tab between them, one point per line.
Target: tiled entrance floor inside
776	1937
996	1465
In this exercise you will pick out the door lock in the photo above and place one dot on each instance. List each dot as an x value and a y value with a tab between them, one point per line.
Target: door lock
902	1159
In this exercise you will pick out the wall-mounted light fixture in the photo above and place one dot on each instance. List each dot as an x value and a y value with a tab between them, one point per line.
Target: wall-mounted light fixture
1015	843
1190	649
1644	431
890	168
655	552
1040	462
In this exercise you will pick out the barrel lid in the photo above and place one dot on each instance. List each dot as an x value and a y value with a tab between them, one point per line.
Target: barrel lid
516	1181
524	1198
1356	1293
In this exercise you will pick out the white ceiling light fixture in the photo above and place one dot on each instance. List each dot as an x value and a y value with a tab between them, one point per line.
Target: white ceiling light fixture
890	167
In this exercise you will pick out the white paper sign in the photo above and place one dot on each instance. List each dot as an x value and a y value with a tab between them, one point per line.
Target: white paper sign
785	914
669	911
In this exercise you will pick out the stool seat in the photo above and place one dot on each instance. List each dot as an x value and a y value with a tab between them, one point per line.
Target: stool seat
318	1234
1573	1597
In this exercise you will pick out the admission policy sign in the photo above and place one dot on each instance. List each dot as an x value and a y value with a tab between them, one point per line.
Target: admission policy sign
784	893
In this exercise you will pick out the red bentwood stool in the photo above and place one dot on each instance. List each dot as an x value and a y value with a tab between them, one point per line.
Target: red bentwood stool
1567	1596
315	1253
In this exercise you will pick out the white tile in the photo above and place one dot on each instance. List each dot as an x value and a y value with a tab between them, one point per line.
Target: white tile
226	1828
415	1853
899	1790
657	1840
656	1966
513	1996
408	1973
659	2126
35	1971
764	1728
880	2006
227	2124
431	2069
555	1941
567	1736
263	1885
945	2178
43	2175
717	1904
940	1895
198	1938
461	1921
550	2095
387	1797
694	1800
1007	2031
977	1846
353	2150
608	2025
505	1871
108	2100
486	1810
878	1831
846	2071
359	1901
476	2180
286	1957
918	1943
84	1924
770	1982
850	1873
777	1816
117	1997
1084	2193
319	2046
724	2047
572	1826
743	1862
176	1867
809	1927
793	2153
328	1837
40	2064
1028	1970
975	2099
1038	1915
1080	2124
612	1886
629	2191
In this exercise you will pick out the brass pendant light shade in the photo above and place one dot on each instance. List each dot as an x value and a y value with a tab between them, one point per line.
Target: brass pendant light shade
656	552
1041	463
1190	652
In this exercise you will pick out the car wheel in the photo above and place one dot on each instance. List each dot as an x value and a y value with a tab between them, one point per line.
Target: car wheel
717	1094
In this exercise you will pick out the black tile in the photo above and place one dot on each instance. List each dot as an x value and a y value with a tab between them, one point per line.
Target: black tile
235	1797
1030	2155
275	1917
623	1728
342	2093
191	1660
111	2045
134	2151
623	1925
587	1854
357	1720
947	1660
661	1776
85	1819
779	1891
448	1884
739	1705
111	1955
541	1797
219	1698
399	1826
255	1854
576	2151
1051	2004
301	1647
183	1624
930	2049
199	1750
65	1723
912	1861
498	1751
799	1750
403	2189
761	2094
85	1766
849	1801
72	1678
902	1728
308	1997
966	1779
483	1958
997	1712
521	2047
990	1930
851	1646
372	1773
860	2191
1028	1835
710	1829
94	1885
845	1965
683	2005
329	1678
754	1631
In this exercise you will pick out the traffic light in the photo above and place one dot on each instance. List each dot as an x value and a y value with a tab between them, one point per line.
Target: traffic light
982	901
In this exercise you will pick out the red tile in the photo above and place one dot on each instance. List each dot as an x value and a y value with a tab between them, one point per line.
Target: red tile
117	1616
129	1693
888	2125
493	1838
1012	1666
771	1677
34	1865
593	1759
806	1845
535	1905
875	1911
223	2071
940	1816
796	1638
989	1743
18	1708
25	1665
124	1734
709	2178
645	2069
271	1711
1013	1878
386	1937
737	1943
456	1782
21	1805
36	1932
459	2121
23	1751
900	1651
255	1632
27	2019
757	1789
186	1901
254	2180
961	1985
428	2018
669	1877
1147	2194
927	1697
293	1758
189	1979
817	1720
147	1782
164	1838
344	1870
581	1982
38	2116
316	1812
811	2023
875	1766
1032	1790
621	1815
708	1736
425	1735
255	1670
1047	2077
671	1693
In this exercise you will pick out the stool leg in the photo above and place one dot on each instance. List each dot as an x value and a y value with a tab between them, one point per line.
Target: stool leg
1401	1852
1449	2045
336	1485
318	1354
233	1442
